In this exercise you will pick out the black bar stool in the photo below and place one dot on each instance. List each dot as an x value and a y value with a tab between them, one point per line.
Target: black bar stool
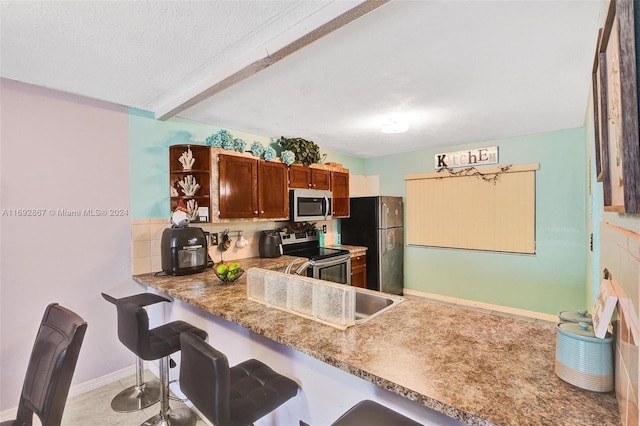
370	413
226	396
156	344
142	394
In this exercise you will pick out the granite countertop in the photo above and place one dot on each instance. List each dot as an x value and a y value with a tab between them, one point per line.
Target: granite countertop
477	367
354	250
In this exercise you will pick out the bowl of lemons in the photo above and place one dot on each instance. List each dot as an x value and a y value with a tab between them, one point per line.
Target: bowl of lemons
228	272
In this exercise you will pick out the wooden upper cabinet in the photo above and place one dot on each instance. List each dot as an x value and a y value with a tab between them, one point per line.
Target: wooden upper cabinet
340	190
320	179
309	177
273	194
251	188
299	176
238	186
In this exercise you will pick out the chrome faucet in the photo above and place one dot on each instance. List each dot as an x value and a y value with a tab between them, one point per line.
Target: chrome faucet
302	267
290	266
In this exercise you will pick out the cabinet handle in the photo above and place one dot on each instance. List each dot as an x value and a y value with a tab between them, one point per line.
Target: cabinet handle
255	212
261	211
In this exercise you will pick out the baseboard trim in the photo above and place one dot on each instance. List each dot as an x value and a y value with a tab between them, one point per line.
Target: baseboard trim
482	305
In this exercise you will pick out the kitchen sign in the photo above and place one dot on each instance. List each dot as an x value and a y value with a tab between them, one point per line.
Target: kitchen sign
470	157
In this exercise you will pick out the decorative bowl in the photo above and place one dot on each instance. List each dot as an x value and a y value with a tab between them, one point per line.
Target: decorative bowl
224	279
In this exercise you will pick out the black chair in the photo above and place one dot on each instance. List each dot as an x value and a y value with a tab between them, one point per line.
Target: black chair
142	394
235	396
156	344
51	367
370	413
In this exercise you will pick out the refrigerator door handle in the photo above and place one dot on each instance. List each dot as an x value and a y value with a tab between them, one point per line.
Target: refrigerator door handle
384	212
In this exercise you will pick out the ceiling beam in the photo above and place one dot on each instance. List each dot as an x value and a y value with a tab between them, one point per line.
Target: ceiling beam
287	43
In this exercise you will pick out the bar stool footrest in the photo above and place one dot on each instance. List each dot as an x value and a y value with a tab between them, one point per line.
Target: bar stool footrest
136	398
175	417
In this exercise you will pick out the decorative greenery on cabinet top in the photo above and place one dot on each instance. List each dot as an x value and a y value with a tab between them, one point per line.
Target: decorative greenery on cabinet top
306	152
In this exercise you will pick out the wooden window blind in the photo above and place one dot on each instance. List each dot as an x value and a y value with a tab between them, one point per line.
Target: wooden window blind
468	212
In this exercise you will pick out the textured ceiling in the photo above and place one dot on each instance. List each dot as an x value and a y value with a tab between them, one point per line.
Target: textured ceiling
467	70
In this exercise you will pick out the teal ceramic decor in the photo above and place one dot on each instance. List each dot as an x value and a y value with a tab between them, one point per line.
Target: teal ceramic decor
582	359
257	149
575	316
288	157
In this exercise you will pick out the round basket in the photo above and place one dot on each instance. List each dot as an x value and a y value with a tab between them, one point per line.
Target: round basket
225	280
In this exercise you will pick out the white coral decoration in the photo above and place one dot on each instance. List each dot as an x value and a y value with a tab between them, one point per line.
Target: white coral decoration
189	185
192	209
187	160
174	192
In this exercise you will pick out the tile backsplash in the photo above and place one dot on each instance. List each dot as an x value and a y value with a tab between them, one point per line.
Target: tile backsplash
620	255
147	233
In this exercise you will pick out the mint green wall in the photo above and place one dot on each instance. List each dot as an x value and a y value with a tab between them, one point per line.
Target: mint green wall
149	140
551	280
354	164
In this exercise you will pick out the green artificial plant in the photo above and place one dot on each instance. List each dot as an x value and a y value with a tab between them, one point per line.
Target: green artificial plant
306	152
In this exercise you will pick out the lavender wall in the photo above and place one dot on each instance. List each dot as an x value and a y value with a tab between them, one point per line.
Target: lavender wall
61	151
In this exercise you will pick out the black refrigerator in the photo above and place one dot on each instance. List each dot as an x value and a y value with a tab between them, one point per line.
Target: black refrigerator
377	224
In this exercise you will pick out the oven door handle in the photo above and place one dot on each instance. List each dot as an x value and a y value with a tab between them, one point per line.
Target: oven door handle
344	259
336	260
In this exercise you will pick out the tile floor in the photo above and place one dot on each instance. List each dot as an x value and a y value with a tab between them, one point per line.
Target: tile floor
94	407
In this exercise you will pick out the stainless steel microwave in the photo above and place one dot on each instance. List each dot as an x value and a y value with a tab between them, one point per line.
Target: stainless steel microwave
309	204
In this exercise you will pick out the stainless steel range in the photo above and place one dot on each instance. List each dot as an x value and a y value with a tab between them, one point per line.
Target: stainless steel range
322	263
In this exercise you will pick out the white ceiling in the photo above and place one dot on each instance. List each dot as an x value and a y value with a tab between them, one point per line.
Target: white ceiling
466	70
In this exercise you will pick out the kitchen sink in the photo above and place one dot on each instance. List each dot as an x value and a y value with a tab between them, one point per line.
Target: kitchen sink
370	304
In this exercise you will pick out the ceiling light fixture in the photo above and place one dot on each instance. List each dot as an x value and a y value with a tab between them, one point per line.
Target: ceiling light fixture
396	124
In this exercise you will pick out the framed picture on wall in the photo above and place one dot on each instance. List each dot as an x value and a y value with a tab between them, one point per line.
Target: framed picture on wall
603	127
619	141
597	116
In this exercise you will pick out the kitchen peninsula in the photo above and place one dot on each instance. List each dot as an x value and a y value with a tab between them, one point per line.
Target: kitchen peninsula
479	368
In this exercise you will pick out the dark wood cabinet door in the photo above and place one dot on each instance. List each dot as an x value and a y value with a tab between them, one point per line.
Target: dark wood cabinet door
238	186
340	189
273	194
299	176
359	271
320	179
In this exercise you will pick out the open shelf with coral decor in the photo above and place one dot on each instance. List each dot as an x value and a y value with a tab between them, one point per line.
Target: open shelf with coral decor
190	180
